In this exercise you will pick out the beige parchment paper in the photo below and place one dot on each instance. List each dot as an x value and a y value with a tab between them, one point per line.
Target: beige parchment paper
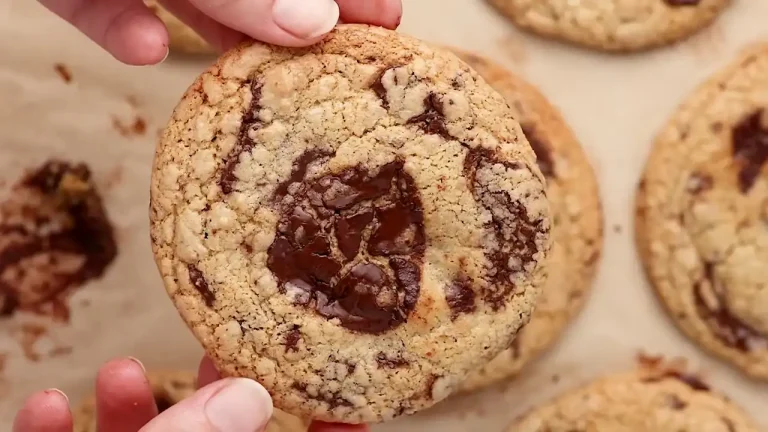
108	116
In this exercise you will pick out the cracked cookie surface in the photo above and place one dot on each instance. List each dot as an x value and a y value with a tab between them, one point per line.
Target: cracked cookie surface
181	37
577	228
169	388
356	225
640	401
613	25
702	214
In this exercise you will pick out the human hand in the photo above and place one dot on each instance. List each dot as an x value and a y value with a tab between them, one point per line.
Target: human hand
125	403
132	33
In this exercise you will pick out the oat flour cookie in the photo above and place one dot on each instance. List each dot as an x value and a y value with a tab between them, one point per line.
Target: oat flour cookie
171	387
639	401
702	214
182	38
613	25
356	225
577	221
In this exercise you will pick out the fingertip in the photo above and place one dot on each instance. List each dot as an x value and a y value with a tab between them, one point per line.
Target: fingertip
318	426
138	37
45	411
124	396
385	13
206	372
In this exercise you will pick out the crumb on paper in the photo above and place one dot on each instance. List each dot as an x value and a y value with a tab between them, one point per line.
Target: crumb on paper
555	379
512	47
59	351
137	127
617	228
132	100
30	335
63	71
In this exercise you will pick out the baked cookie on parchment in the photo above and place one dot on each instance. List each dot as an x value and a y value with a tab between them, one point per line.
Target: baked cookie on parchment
357	225
577	231
182	38
645	400
171	387
702	214
613	25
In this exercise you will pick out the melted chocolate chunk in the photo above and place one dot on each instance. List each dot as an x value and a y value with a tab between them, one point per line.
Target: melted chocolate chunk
730	329
750	148
244	143
386	362
369	277
682	2
201	285
67	220
432	120
691	381
163	403
515	233
460	296
543	152
292	339
378	88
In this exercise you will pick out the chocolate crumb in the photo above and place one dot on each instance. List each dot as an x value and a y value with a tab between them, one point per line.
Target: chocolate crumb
201	285
292	339
137	127
63	71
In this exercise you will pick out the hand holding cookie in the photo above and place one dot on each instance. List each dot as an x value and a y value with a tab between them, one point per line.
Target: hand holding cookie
131	31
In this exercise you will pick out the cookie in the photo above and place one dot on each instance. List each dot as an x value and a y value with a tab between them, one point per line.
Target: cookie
55	236
356	225
170	388
702	214
613	25
577	232
639	401
182	38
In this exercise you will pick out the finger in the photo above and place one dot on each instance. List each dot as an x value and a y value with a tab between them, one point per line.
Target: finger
385	13
206	373
333	427
227	405
219	36
125	28
46	411
124	399
280	22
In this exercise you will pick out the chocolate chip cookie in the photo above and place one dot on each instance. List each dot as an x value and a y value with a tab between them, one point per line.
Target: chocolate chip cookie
577	221
702	214
639	401
613	25
356	225
182	38
171	387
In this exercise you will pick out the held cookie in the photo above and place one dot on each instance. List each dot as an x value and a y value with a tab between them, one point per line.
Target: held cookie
702	214
356	225
639	401
170	388
613	25
182	38
577	221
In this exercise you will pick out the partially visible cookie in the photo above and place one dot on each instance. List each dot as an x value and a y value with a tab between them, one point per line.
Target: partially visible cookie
577	232
356	225
182	38
613	25
171	387
702	214
646	400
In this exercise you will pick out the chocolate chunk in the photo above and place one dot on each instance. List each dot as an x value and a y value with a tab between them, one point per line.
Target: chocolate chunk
201	285
432	120
682	2
733	331
292	338
543	151
244	144
162	403
379	213
750	148
460	296
54	215
386	362
515	233
699	182
378	88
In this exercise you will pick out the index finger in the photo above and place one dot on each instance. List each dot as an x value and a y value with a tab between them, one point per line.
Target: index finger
385	13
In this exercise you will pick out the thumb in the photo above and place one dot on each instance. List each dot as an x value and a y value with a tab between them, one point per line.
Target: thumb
228	405
281	22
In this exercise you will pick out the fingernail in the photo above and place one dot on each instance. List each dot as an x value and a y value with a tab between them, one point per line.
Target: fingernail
141	365
306	18
55	390
167	52
243	405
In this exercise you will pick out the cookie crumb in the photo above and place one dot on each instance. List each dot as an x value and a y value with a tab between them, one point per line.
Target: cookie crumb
60	351
617	228
555	379
30	335
63	71
137	127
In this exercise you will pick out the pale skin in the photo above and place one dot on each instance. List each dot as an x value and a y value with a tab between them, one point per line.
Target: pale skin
129	31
